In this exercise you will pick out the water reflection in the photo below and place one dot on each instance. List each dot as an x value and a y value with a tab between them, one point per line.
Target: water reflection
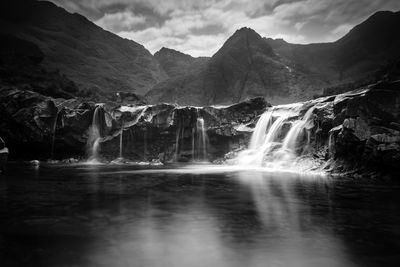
116	216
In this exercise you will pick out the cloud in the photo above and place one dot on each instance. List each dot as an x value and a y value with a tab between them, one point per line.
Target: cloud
121	21
341	30
201	27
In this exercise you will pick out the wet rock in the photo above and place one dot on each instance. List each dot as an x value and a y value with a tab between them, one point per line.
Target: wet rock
31	120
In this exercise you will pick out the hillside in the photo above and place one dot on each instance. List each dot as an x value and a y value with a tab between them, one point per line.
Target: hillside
245	66
93	58
176	63
248	65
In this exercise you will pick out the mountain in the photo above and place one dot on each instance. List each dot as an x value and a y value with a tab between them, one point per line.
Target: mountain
245	66
248	65
67	56
176	63
20	66
366	48
95	59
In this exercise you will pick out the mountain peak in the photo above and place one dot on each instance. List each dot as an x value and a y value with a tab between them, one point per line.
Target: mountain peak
246	40
246	31
381	26
170	51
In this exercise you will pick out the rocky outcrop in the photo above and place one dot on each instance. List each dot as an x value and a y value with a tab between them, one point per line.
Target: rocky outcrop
369	136
354	131
30	121
358	130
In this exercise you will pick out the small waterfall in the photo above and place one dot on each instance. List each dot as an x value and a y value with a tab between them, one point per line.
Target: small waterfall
178	120
120	141
275	146
290	141
190	127
54	129
95	134
201	147
331	144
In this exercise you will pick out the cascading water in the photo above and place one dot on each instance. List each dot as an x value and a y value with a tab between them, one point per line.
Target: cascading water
201	144
54	129
128	117
190	127
120	141
290	141
272	145
258	137
94	138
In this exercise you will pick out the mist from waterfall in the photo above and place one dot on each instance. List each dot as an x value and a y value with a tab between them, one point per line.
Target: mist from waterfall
279	140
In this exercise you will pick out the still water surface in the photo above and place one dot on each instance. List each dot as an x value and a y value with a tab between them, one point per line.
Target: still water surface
194	216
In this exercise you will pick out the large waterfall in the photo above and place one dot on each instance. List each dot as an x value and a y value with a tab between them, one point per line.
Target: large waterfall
280	138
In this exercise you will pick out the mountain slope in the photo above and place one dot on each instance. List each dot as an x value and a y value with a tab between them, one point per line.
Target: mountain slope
366	48
88	55
245	66
248	65
175	63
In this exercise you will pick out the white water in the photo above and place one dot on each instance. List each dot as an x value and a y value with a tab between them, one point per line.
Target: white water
94	138
201	148
263	124
199	138
273	146
54	129
120	141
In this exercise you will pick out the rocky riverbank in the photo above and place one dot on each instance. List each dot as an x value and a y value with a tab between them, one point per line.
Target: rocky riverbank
355	131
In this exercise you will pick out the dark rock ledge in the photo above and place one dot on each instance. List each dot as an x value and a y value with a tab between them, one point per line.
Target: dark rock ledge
356	132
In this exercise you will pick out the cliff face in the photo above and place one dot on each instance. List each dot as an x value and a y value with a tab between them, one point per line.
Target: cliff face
91	57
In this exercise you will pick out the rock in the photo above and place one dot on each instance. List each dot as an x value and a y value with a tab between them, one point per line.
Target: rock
32	119
3	155
34	163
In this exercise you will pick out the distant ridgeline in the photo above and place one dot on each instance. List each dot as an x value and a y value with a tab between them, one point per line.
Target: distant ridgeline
59	54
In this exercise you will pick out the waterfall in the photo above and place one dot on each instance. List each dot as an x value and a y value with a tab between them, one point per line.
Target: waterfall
275	146
290	141
258	137
190	127
201	139
120	141
331	144
95	134
53	136
127	116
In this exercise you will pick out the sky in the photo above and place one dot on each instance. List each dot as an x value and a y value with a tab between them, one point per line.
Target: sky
199	28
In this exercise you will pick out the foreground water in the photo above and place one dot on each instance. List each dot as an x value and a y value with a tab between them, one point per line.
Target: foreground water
194	216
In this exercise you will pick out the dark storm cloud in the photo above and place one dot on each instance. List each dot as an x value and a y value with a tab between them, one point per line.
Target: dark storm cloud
200	27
